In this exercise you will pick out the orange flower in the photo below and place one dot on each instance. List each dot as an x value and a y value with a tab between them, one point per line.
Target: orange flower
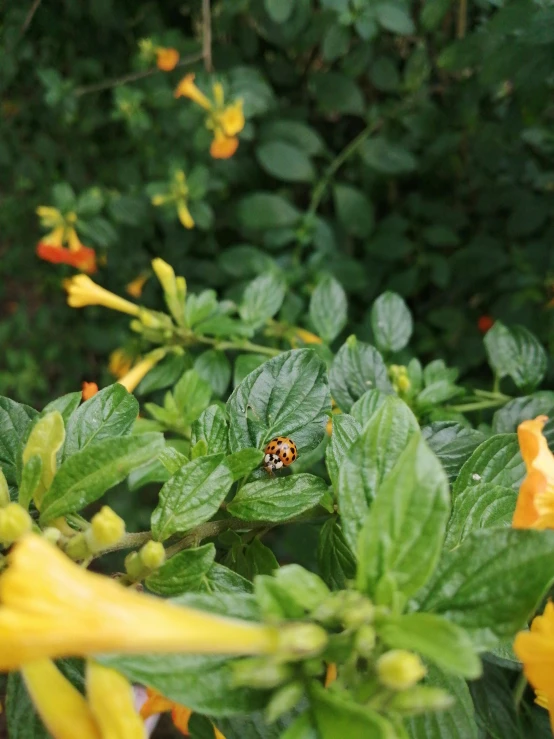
485	323
535	648
83	258
89	390
180	715
331	674
223	147
134	288
166	58
535	503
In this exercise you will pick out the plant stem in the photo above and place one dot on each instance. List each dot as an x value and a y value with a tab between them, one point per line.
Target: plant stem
246	346
29	17
207	35
214	528
129	541
479	406
461	25
519	689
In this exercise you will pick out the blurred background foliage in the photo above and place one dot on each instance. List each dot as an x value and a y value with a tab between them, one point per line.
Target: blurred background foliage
393	144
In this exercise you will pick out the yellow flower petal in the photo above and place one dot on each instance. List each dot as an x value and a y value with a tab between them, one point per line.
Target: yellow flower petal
231	119
184	214
187	88
223	147
51	607
82	291
166	58
55	237
535	503
119	363
111	700
62	708
135	287
73	240
141	369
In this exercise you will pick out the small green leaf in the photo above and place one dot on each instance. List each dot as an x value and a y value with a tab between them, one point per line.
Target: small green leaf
215	369
354	210
66	405
261	211
445	644
502	573
212	427
387	157
261	300
192	395
307	589
335	560
517	353
182	572
356	368
391	322
286	396
479	507
108	414
369	460
328	309
86	475
497	461
394	18
252	560
15	423
30	480
191	496
279	10
45	440
277	500
337	93
286	162
404	530
336	714
243	462
345	432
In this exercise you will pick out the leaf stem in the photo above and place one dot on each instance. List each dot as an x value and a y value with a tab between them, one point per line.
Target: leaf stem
246	346
214	528
207	35
129	541
479	406
519	689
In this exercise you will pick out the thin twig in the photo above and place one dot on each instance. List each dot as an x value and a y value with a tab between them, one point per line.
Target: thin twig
207	35
129	541
461	24
117	81
29	17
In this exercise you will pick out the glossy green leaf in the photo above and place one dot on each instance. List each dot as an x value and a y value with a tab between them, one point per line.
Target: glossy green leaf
356	368
45	440
285	161
495	708
433	637
516	352
212	427
328	308
492	582
277	499
286	396
497	461
30	480
221	579
66	405
215	369
192	395
507	419
354	210
261	300
368	404
391	322
182	572
403	532
479	507
88	474
452	443
22	719
371	457
345	432
243	462
335	560
108	414
15	423
191	496
387	157
335	715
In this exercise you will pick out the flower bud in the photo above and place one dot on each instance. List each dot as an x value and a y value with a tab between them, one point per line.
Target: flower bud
285	699
133	566
77	547
400	669
358	614
15	522
365	640
420	699
297	641
165	274
260	673
152	555
52	535
106	529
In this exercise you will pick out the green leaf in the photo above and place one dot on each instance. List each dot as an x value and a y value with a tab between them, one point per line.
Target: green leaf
394	18
494	705
354	210
90	202
261	300
126	209
335	42
261	211
64	195
15	423
191	496
369	460
286	396
243	462
200	727
252	559
192	395
99	230
279	10
356	368
212	427
457	722
162	375
387	157
507	419
220	579
182	572
300	134
277	499
437	392
284	161
337	93
328	309
45	440
22	719
391	322
66	405
517	353
345	432
335	560
215	369
497	461
108	414
404	530
86	475
337	715
366	406
30	479
445	644
307	589
479	507
452	443
492	583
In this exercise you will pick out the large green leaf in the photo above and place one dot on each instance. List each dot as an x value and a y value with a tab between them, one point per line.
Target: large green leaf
391	322
479	507
285	161
273	499
328	308
182	572
517	353
492	582
356	368
191	496
495	706
87	475
369	460
497	461
22	720
335	560
452	443
286	396
403	533
66	405
507	419
15	423
369	403
108	414
345	432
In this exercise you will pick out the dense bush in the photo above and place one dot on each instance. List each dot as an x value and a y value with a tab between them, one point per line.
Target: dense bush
394	146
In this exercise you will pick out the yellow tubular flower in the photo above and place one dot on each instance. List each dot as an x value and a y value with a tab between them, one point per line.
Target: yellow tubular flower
306	336
110	698
535	503
55	237
141	369
232	118
219	97
62	708
119	363
187	88
165	274
184	214
82	291
135	287
49	216
51	607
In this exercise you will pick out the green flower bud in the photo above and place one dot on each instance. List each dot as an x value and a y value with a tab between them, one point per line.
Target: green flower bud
77	547
285	699
297	641
15	522
134	566
400	669
420	699
261	673
152	555
106	529
365	640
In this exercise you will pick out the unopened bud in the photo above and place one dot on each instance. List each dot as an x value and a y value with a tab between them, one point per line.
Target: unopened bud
165	274
403	383
365	640
15	522
260	673
359	614
301	640
52	535
400	669
133	566
152	555
284	700
106	529
421	699
77	547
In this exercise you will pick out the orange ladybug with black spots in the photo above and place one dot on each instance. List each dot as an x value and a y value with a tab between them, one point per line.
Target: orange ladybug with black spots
279	452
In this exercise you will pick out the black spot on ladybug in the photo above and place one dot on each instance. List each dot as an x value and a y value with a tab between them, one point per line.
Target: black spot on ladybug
279	442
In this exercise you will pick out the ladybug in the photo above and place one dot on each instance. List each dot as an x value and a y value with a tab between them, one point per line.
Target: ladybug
280	452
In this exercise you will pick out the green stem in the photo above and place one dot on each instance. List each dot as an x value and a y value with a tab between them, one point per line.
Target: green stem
129	541
495	395
519	689
480	406
188	337
214	528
